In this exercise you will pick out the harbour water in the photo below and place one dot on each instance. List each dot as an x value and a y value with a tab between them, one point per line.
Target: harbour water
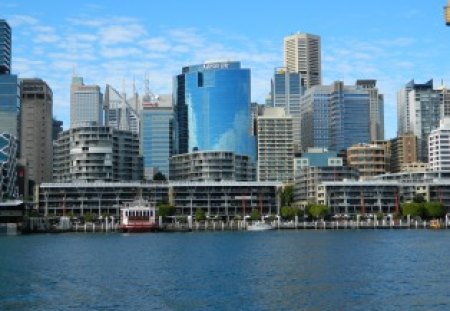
273	270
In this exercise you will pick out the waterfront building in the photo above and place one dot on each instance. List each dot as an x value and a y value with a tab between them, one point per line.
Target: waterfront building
403	151
376	108
86	104
309	178
275	146
335	116
8	162
317	157
315	166
224	200
212	166
212	109
120	113
414	167
97	153
367	159
418	112
444	94
286	92
36	129
439	147
5	48
156	132
302	55
350	198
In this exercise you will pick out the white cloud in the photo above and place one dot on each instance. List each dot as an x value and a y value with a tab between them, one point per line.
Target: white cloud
113	34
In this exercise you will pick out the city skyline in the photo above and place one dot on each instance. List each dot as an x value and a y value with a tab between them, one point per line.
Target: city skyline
110	43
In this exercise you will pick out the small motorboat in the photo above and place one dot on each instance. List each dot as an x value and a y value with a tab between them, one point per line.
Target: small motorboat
259	226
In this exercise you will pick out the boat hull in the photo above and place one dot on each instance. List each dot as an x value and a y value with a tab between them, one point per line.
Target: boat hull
133	228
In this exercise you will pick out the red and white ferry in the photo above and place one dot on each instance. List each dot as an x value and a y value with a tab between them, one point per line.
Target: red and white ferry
138	216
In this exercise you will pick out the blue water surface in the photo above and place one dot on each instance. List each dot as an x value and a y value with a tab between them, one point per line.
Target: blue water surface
276	270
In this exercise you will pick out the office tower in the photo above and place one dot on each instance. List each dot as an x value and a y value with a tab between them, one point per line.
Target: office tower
36	129
335	116
212	166
5	47
376	108
286	91
419	112
8	162
119	112
403	151
275	146
368	159
97	153
212	109
439	147
156	134
302	55
9	104
86	104
444	94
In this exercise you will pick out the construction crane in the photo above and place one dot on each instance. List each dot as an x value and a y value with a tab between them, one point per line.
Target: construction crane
447	13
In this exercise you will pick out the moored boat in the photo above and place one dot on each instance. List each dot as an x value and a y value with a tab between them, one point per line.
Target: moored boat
138	216
259	226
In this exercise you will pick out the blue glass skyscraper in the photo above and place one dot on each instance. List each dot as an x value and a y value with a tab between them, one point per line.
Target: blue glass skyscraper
212	107
156	135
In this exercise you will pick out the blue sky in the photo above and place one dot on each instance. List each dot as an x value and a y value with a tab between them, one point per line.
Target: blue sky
112	41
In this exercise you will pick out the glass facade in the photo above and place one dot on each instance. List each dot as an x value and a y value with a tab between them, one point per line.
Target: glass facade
213	108
335	117
5	47
156	139
9	104
86	104
349	119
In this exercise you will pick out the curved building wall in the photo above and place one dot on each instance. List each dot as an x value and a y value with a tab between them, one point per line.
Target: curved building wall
217	96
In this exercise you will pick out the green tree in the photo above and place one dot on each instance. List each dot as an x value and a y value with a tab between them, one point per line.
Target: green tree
288	212
165	210
287	195
418	198
413	209
88	217
318	210
434	209
255	214
200	215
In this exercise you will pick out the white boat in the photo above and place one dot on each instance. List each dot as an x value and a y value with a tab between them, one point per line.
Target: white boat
138	216
259	226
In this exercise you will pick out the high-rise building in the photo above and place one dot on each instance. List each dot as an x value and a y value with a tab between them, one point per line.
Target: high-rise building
439	147
212	108
156	134
36	129
419	112
403	151
376	106
86	104
5	47
275	146
335	117
119	112
286	91
97	153
302	55
9	104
